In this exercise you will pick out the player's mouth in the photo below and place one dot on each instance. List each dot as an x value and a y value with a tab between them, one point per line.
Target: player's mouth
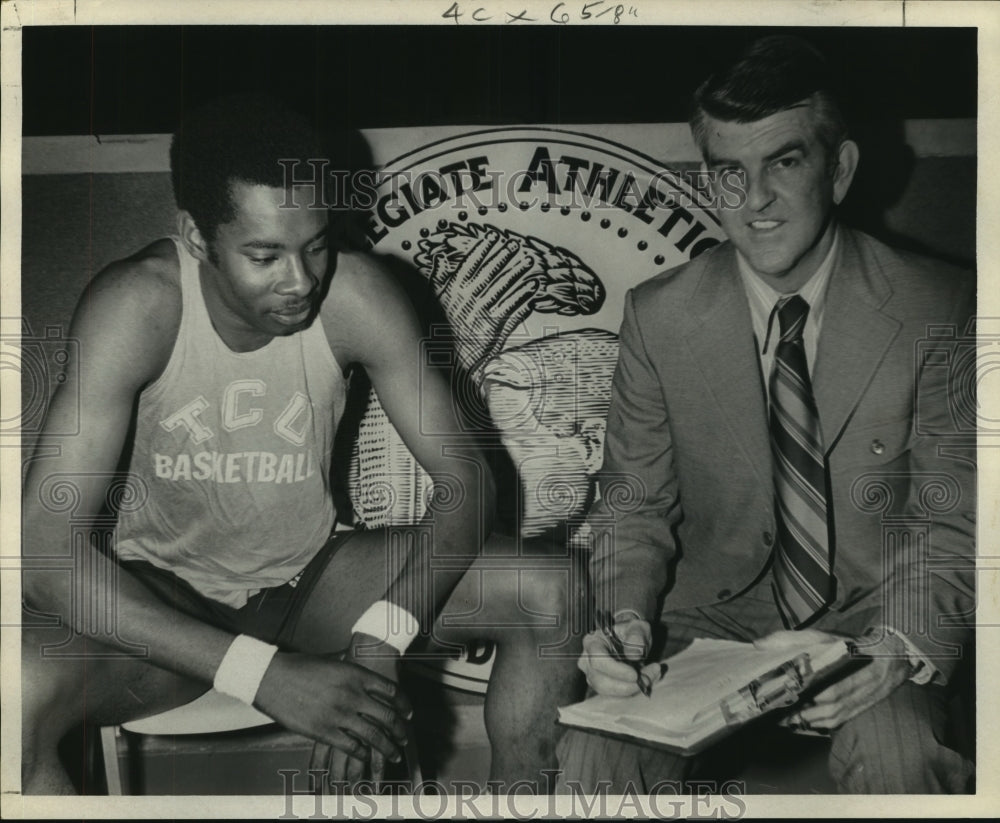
765	225
294	314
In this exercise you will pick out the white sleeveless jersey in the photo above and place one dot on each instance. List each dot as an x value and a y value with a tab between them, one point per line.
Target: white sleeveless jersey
234	452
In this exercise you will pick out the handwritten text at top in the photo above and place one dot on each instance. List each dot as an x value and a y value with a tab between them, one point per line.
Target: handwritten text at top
562	13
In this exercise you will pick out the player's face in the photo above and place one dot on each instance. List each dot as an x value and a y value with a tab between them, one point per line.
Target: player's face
783	226
269	262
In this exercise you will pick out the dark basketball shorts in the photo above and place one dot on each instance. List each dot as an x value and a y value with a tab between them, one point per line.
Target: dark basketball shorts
271	615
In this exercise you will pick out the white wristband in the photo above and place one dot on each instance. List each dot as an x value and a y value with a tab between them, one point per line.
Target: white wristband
242	668
390	623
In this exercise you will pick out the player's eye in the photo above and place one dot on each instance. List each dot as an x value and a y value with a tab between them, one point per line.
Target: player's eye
262	261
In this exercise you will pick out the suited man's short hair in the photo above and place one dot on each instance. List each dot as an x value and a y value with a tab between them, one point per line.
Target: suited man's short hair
772	75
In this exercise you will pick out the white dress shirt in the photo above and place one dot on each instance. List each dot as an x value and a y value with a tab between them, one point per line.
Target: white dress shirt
763	302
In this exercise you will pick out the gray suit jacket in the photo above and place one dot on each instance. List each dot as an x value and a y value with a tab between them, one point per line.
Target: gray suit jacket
686	482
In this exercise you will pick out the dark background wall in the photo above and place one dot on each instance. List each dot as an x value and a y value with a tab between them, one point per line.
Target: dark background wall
138	79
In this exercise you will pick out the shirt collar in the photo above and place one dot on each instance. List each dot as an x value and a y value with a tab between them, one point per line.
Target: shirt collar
763	298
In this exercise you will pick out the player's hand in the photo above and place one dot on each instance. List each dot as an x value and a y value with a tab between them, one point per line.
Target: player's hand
611	677
858	691
349	707
383	659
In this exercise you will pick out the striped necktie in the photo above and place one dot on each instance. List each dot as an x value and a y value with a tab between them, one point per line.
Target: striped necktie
802	580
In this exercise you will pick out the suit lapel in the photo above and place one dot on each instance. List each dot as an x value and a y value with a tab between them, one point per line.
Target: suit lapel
721	342
854	338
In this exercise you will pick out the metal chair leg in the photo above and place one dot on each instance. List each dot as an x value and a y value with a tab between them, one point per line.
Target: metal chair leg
112	768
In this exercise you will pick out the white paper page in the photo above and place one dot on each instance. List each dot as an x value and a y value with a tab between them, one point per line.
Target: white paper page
697	679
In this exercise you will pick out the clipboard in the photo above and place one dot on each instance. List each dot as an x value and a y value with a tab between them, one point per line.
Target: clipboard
711	689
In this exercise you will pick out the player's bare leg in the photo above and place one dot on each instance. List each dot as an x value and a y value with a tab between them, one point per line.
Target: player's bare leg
60	692
521	602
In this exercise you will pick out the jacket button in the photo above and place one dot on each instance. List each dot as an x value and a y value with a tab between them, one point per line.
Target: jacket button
723	594
768	538
878	447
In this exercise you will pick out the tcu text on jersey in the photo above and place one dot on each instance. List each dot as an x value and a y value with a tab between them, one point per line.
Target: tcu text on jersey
239	411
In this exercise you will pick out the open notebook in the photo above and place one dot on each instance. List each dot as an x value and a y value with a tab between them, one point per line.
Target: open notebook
710	689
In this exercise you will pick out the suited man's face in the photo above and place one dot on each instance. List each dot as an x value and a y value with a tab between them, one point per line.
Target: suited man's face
791	185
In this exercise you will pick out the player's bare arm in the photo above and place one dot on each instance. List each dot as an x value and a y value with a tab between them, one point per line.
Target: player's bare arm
125	323
370	322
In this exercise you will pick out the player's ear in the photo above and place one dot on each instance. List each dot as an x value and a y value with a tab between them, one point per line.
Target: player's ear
846	163
191	237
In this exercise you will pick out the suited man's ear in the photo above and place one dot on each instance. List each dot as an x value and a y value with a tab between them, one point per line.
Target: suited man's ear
193	240
843	170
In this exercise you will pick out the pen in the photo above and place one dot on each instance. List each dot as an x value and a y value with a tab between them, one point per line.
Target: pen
606	624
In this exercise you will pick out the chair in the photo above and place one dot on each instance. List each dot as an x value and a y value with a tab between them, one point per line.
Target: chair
216	713
212	713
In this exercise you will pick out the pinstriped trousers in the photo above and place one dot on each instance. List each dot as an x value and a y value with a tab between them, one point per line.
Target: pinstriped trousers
894	747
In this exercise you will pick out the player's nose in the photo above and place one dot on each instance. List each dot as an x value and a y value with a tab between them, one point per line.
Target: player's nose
298	279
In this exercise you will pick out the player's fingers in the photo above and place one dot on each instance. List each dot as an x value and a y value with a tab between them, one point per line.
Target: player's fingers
337	776
372	736
347	743
388	692
388	716
377	767
319	762
355	771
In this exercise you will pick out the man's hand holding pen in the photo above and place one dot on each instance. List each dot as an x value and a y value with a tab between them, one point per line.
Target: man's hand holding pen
614	656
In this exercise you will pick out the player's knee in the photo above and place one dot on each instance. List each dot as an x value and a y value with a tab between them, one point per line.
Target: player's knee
547	599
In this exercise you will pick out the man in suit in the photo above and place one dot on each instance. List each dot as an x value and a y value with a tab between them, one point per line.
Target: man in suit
774	405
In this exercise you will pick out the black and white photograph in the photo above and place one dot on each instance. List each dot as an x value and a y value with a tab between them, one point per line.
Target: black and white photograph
499	409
